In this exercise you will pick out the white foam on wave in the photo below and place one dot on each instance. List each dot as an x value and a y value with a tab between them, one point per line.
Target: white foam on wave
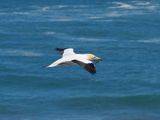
124	5
142	3
138	5
85	39
119	9
100	18
152	7
48	8
21	13
104	20
56	13
95	17
114	14
89	39
45	8
154	40
55	34
68	37
13	52
147	5
49	33
62	19
61	6
55	7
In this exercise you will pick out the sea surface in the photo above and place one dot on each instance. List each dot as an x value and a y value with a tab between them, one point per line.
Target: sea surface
124	33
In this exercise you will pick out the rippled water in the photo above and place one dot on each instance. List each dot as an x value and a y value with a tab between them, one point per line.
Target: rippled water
125	34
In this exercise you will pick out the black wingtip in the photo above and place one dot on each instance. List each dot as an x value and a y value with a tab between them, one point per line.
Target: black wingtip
90	68
60	49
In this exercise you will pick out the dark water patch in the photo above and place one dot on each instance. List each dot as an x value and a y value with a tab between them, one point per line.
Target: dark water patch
103	102
41	82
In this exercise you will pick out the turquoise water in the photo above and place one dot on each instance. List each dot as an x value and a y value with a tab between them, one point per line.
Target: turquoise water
124	33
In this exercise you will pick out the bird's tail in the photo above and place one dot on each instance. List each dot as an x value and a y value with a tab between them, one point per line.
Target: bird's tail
56	63
52	65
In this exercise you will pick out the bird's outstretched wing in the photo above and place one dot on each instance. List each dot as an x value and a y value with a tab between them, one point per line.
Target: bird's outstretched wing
87	66
61	50
65	51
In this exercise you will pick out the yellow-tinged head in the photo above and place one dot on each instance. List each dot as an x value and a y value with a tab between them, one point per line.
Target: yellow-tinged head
92	57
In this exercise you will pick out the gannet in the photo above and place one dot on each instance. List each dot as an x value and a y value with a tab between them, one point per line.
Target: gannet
69	57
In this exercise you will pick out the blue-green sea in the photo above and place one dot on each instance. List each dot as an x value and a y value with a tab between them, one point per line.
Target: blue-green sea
124	33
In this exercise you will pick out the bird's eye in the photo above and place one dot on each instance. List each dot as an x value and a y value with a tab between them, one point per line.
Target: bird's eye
94	58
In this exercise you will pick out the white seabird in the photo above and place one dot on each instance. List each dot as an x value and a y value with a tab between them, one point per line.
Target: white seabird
69	57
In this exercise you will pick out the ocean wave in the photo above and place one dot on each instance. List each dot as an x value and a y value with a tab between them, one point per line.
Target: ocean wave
154	40
141	3
104	102
71	13
58	8
124	5
62	19
21	13
89	39
104	20
49	33
13	52
147	5
152	7
73	38
67	13
55	34
3	13
135	5
95	17
115	14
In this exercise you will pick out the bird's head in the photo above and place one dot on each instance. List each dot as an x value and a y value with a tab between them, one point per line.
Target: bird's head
93	58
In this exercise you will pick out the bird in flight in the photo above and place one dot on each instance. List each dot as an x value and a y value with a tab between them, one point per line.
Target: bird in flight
69	57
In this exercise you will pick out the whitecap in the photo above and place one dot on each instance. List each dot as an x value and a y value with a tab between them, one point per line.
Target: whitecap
152	7
143	3
154	40
62	6
88	39
84	39
13	52
136	5
114	14
45	8
21	13
49	33
104	20
95	17
61	19
124	5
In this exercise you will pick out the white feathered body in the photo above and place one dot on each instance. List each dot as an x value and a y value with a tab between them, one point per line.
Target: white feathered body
67	60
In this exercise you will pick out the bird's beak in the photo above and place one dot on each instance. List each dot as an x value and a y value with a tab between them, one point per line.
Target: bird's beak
98	58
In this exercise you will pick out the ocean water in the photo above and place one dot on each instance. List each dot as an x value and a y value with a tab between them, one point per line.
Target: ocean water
124	33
